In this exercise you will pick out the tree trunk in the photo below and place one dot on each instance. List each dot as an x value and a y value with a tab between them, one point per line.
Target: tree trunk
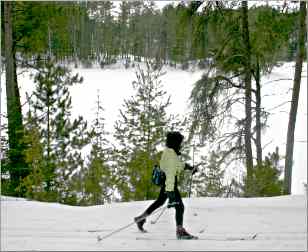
247	80
258	116
294	102
17	165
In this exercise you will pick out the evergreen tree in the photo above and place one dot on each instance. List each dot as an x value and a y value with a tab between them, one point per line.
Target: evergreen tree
266	181
209	181
140	133
98	177
34	183
61	138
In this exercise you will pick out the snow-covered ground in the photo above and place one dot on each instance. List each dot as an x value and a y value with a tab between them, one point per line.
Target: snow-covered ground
279	222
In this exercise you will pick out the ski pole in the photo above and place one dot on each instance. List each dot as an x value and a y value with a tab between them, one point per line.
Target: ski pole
100	238
161	213
193	166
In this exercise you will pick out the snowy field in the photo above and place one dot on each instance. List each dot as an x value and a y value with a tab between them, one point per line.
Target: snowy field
114	85
279	222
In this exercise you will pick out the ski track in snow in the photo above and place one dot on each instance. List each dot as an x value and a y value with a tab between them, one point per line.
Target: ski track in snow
279	222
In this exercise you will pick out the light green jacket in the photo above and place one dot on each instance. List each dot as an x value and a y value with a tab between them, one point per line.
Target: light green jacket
171	164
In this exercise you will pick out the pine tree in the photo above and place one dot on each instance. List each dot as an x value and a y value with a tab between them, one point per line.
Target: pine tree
209	182
33	184
98	177
140	132
266	181
62	138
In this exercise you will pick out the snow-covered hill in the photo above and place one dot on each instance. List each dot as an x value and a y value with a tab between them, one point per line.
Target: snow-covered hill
279	222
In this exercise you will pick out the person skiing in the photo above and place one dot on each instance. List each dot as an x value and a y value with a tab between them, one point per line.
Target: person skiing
171	164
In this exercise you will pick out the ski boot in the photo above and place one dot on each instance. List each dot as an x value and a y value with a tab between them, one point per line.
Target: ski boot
182	234
140	220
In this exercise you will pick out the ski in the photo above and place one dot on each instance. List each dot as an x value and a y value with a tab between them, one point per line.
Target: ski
210	238
166	239
192	237
98	230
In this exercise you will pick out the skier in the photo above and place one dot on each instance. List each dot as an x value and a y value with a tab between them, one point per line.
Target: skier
172	166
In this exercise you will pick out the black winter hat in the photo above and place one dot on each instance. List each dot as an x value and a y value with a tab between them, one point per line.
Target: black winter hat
174	140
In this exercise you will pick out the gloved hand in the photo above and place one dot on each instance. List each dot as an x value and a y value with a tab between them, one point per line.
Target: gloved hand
193	169
172	200
188	167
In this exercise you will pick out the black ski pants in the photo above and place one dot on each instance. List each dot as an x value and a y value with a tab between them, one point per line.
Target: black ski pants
162	197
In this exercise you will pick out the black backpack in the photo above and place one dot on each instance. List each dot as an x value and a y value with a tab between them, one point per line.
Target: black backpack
158	176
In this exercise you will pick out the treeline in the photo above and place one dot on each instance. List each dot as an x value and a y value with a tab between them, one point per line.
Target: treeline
174	35
98	32
43	155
